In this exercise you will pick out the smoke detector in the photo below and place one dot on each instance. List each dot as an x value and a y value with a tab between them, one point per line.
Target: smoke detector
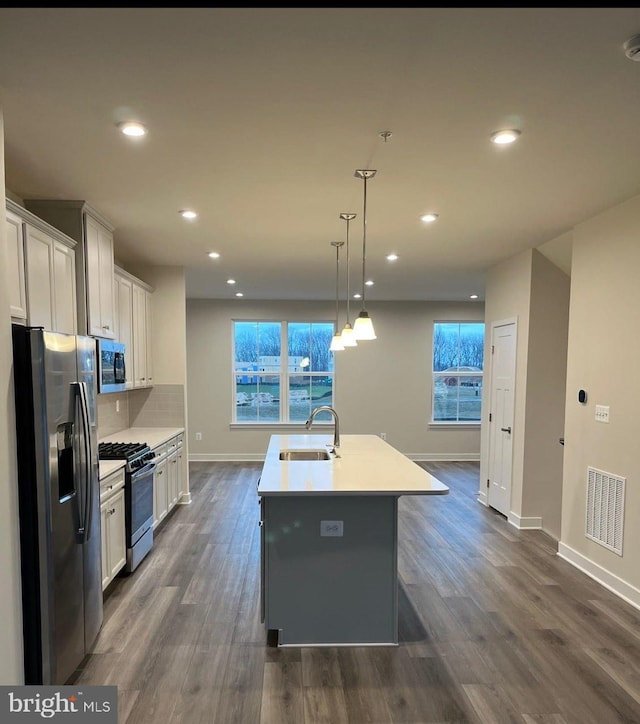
632	48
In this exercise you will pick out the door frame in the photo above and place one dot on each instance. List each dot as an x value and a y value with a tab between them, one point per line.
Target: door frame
492	428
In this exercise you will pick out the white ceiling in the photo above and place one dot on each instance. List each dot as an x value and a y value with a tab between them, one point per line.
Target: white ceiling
258	119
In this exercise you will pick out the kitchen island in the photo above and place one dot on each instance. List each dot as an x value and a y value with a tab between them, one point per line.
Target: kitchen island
329	542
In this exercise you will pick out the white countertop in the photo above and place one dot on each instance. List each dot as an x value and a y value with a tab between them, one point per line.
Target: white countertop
109	466
152	436
367	466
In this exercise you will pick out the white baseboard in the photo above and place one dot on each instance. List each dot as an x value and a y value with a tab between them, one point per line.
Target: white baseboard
616	585
524	523
185	499
482	498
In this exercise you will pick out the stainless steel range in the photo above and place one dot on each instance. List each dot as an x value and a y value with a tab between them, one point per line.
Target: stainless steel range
138	492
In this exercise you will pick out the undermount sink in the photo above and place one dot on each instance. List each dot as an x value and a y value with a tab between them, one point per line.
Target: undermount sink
315	454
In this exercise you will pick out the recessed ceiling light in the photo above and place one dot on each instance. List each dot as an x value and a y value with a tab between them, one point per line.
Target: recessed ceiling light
239	294
428	218
188	214
214	255
369	282
392	257
357	295
506	136
473	296
132	128
231	281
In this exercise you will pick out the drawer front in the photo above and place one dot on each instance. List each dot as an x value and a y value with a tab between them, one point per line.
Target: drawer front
111	484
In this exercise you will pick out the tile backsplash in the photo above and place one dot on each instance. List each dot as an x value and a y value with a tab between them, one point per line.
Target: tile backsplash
111	421
158	406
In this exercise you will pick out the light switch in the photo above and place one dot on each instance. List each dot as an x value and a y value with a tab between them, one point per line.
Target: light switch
602	413
333	528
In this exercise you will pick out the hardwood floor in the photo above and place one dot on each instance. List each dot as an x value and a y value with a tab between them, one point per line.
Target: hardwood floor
494	627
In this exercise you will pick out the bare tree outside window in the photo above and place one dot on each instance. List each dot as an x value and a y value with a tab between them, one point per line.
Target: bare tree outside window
282	370
458	364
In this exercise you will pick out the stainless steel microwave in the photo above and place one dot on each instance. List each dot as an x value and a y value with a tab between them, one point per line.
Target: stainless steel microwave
112	371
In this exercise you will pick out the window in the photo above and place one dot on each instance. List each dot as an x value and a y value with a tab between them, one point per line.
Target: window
281	370
458	363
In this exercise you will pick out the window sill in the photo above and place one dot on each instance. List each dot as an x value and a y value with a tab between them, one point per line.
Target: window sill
454	425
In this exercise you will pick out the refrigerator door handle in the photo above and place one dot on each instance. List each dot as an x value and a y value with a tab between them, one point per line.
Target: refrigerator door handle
85	486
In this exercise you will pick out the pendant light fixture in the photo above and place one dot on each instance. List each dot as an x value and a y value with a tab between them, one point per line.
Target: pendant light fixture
363	326
336	340
347	335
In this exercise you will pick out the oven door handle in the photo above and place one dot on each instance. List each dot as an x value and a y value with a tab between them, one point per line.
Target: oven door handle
148	468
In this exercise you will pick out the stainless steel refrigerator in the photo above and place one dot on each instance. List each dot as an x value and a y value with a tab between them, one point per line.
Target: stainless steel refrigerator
59	500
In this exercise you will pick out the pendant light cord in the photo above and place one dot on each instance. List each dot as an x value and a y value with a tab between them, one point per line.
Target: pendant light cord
337	287
364	239
348	315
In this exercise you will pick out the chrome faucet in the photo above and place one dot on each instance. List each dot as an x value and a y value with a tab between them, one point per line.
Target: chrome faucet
336	431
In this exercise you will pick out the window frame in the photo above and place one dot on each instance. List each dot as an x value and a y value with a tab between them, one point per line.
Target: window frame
284	375
458	373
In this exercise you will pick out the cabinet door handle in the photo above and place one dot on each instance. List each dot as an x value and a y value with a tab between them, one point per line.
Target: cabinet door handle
105	326
506	429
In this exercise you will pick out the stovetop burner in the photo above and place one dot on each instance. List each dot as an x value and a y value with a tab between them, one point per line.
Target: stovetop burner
121	450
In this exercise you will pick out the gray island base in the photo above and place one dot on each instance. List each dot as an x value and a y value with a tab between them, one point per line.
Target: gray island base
329	540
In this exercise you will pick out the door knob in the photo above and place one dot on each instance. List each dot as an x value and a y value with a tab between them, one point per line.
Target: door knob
506	429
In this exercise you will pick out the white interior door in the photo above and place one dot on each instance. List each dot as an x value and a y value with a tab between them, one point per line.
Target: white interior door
503	374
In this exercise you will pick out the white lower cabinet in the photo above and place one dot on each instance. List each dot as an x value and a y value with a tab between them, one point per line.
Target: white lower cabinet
114	551
167	482
160	487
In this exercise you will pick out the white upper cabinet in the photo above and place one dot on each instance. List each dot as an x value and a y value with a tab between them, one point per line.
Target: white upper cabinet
124	316
94	261
15	266
133	304
44	257
64	288
99	279
39	277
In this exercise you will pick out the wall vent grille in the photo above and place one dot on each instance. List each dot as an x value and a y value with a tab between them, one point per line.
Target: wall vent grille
605	509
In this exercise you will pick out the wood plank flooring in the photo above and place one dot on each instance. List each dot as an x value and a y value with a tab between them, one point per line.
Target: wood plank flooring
494	627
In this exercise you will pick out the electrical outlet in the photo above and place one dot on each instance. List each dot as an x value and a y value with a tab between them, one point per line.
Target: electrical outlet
332	528
198	436
117	405
383	435
602	413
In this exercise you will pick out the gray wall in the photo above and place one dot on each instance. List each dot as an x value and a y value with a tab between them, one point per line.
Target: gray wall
533	291
604	348
381	386
11	660
545	394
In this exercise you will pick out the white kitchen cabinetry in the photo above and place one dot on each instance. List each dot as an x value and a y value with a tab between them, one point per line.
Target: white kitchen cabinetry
174	463
142	374
112	514
39	278
168	478
133	306
15	266
99	278
160	487
123	294
44	258
94	260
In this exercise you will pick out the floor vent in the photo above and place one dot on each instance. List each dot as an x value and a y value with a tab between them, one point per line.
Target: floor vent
605	509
